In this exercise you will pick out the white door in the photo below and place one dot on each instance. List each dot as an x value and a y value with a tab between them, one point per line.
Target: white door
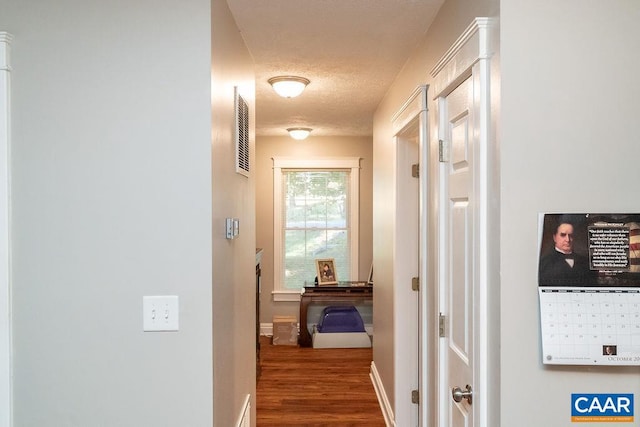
410	129
406	268
456	247
467	217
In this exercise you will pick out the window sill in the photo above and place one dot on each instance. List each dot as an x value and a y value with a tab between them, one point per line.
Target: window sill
289	296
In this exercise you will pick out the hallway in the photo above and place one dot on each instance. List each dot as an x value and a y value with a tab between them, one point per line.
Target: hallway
316	387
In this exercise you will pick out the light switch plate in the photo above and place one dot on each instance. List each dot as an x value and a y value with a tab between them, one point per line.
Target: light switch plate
232	227
229	227
160	313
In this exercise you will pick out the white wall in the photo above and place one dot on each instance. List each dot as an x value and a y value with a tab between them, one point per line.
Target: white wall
569	144
5	296
112	157
233	197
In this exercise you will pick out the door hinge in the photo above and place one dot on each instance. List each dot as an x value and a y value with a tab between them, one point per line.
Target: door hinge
441	325
415	283
443	152
415	170
415	396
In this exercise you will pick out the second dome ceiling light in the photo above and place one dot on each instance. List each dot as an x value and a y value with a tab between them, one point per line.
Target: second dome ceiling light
290	87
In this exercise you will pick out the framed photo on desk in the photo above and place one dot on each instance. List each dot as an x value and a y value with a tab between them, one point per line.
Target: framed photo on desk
326	271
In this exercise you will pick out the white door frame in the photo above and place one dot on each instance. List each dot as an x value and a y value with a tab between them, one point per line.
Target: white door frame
411	329
5	295
471	57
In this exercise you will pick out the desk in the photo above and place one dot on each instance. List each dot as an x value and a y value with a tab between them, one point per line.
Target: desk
343	291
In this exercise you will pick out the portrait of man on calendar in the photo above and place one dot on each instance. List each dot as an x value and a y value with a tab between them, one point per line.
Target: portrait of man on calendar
582	250
564	257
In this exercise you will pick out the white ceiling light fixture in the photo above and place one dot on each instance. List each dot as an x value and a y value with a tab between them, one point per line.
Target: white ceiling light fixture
299	133
288	86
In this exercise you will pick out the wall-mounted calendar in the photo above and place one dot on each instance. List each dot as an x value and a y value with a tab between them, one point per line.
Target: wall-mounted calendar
589	289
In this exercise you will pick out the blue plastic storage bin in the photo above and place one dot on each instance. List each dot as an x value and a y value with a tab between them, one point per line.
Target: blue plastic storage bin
340	319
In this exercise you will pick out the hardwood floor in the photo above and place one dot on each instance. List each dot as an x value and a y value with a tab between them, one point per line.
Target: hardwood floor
308	387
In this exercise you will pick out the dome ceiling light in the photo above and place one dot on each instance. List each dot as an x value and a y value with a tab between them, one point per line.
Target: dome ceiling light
288	86
299	133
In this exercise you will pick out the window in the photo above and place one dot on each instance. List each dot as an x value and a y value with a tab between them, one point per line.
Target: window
315	216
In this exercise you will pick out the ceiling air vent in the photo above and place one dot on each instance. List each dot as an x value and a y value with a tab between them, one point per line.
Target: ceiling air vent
242	134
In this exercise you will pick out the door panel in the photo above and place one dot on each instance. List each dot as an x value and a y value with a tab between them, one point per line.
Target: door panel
459	297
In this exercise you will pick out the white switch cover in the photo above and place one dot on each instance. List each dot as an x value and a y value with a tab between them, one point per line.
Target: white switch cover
160	313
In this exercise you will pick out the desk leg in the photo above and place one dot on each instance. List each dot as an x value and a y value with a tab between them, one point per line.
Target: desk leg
305	338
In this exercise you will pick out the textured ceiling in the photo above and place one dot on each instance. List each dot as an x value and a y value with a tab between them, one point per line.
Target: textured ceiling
351	50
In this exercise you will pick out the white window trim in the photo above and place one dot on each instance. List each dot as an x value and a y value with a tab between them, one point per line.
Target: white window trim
279	163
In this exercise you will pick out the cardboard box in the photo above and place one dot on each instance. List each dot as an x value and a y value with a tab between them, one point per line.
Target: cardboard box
285	330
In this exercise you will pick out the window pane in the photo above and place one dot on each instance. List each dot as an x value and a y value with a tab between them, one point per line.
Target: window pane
316	226
297	263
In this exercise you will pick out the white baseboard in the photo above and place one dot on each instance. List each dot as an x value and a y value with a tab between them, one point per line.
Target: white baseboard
266	329
383	400
244	418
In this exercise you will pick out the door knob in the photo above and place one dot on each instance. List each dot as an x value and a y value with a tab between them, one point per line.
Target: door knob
458	394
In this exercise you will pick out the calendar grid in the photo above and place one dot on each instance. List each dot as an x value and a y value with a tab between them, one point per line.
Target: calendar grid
590	326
